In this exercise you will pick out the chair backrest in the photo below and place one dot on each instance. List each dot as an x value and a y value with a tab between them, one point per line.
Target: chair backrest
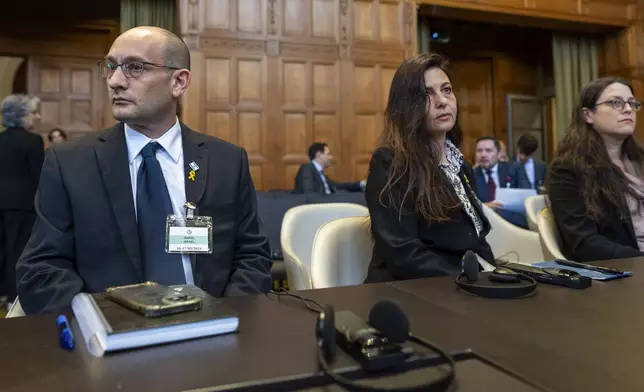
510	242
549	235
533	205
15	310
341	253
299	227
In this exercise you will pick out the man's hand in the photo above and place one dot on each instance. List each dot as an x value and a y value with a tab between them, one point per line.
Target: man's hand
494	204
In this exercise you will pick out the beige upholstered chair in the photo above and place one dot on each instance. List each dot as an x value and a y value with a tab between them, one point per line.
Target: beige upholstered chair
510	242
533	205
299	228
341	252
549	235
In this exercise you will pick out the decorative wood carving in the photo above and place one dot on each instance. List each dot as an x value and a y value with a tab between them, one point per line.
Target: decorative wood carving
344	20
320	52
273	47
345	52
272	27
231	45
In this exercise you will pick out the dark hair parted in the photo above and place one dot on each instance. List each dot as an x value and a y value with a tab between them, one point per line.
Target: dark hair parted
527	144
583	150
414	175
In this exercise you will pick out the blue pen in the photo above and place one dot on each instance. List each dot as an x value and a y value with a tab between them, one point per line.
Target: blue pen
65	335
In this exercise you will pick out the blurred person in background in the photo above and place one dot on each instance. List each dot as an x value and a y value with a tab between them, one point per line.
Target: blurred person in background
56	136
503	152
21	158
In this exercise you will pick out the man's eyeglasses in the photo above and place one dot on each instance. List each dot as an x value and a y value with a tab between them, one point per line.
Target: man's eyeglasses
620	104
131	69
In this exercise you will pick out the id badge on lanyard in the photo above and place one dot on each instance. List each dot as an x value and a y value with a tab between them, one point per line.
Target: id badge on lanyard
189	235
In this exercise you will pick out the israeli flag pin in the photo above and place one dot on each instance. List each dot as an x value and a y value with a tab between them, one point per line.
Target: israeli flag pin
194	166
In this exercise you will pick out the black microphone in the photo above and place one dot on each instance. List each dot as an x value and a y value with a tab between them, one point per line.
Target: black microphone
387	317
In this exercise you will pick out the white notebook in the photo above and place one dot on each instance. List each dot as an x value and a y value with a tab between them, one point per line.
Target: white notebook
107	326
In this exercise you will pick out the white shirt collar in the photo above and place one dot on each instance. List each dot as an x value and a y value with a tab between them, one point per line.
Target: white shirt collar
170	141
493	169
317	166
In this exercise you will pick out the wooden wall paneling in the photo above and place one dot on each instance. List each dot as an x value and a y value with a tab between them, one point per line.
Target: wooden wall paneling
474	91
621	54
62	59
71	93
605	12
234	104
311	53
512	75
384	34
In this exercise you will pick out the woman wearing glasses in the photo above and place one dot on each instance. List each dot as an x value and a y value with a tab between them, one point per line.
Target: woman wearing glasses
596	182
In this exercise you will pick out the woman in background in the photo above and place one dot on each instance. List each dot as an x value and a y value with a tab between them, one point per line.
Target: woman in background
21	158
596	179
56	136
424	213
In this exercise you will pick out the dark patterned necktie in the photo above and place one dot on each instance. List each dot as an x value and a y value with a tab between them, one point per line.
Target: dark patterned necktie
491	186
153	206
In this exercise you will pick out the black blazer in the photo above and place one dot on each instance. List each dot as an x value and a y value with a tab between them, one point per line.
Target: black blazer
507	173
583	238
406	246
308	180
85	238
21	157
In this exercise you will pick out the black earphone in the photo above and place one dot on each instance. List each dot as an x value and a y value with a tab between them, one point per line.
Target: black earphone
510	284
387	317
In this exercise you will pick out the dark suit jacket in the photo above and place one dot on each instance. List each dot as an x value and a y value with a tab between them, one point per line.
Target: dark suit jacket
583	238
21	157
540	170
308	180
507	176
409	247
85	238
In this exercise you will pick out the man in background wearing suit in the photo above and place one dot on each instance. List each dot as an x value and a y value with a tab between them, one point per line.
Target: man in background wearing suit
21	157
492	174
103	200
310	177
531	173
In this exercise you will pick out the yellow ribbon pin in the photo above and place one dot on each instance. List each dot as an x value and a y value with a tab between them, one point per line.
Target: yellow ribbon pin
191	175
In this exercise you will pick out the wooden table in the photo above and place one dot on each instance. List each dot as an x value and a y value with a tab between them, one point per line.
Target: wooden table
564	339
276	339
598	333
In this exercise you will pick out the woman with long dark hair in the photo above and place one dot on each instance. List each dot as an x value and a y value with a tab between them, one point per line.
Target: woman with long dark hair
424	212
596	179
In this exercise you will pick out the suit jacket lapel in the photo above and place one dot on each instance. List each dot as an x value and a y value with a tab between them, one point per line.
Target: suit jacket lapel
473	198
194	153
113	162
481	185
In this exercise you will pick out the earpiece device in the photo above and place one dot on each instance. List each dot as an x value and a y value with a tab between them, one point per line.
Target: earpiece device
500	283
